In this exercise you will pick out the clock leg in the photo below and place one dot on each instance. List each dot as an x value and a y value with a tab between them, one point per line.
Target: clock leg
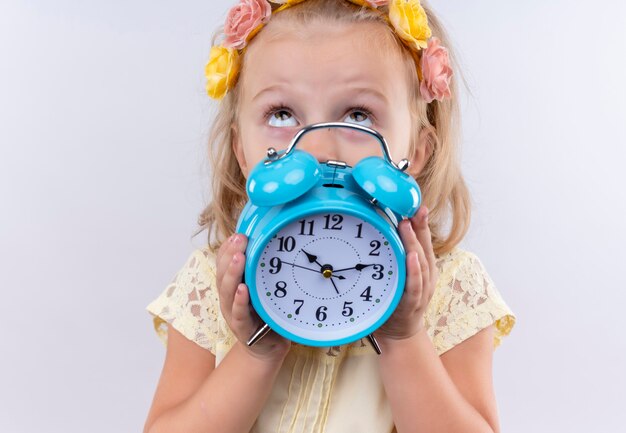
261	332
374	343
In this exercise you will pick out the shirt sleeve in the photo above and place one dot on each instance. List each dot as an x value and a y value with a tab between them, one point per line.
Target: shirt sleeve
190	303
465	302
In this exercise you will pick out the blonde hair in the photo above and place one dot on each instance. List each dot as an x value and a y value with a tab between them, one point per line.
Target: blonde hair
444	191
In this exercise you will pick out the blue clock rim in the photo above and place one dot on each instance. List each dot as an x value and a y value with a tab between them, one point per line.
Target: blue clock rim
388	231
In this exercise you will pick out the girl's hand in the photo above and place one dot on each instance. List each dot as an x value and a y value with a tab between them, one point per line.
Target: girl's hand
422	274
234	301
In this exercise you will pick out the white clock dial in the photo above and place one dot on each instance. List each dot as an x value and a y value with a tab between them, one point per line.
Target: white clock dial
327	276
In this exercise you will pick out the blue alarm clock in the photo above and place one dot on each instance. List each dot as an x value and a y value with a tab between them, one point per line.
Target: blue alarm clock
325	265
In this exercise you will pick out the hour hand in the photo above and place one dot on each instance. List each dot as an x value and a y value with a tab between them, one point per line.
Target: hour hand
326	270
312	258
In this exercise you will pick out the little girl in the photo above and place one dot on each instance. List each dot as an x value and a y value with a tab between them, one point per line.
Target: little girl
282	65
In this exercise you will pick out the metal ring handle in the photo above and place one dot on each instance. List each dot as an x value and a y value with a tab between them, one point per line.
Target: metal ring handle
402	165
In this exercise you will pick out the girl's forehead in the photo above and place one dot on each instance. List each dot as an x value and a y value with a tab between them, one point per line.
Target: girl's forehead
330	56
306	43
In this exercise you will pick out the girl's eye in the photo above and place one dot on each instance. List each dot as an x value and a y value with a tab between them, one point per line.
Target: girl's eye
281	118
359	116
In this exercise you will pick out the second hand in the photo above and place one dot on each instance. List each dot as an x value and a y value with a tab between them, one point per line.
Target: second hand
340	277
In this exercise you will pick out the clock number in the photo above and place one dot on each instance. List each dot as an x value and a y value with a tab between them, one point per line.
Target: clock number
366	294
276	265
286	243
358	233
320	314
281	289
379	272
337	219
376	246
301	301
347	310
303	224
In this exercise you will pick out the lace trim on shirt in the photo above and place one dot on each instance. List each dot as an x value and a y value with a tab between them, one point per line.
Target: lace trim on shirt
465	301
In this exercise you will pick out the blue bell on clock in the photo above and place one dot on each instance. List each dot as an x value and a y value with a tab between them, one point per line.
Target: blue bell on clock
325	265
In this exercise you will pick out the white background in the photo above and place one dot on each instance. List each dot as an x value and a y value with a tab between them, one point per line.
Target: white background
103	122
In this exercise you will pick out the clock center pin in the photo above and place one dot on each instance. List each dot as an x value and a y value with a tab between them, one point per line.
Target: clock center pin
327	271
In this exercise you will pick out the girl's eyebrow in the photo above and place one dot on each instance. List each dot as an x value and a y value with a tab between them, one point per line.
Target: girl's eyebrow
359	90
373	92
266	90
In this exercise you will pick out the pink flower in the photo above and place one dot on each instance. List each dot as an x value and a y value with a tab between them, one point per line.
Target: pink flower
371	3
377	3
436	72
243	19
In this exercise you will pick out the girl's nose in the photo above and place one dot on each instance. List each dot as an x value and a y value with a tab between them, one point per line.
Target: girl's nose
323	144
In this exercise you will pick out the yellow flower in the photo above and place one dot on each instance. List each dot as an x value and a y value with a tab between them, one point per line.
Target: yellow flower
288	2
409	19
285	4
221	71
359	2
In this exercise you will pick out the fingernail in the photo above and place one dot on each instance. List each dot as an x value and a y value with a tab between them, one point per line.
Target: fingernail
235	259
239	289
408	228
236	239
230	239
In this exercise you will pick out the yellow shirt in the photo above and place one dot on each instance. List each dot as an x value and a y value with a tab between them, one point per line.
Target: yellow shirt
333	389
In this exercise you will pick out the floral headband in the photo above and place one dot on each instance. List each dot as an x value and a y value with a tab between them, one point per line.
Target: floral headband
407	17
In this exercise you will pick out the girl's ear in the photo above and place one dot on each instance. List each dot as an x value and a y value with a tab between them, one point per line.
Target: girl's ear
238	150
423	149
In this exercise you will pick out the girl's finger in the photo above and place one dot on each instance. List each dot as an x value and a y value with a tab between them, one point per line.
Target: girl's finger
222	259
425	270
242	320
407	235
230	281
414	284
237	242
422	230
411	243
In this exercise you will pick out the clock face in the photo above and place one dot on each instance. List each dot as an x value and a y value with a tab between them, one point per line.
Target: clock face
327	277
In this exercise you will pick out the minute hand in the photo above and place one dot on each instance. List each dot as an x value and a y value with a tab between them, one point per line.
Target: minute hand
358	267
